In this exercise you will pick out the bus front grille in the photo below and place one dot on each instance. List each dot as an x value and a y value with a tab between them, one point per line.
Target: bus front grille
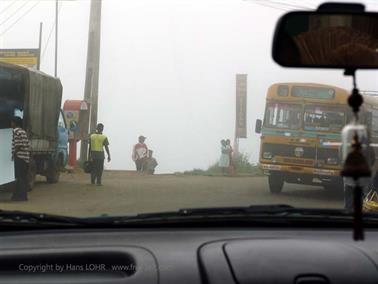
298	161
289	151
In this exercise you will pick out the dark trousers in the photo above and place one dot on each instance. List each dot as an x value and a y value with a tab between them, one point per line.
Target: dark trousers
97	169
375	182
21	173
348	196
140	165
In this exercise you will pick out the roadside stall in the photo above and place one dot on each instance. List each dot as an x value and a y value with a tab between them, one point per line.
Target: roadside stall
76	113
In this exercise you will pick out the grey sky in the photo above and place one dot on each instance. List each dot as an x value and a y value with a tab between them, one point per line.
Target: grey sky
168	70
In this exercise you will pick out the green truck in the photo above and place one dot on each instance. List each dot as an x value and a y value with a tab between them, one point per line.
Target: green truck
36	97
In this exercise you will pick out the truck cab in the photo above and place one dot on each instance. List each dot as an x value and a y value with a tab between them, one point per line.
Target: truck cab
60	157
58	160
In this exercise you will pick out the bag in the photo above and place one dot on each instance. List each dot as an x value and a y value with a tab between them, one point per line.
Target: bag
370	203
88	166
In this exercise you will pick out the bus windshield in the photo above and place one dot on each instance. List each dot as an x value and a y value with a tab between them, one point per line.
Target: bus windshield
323	118
282	115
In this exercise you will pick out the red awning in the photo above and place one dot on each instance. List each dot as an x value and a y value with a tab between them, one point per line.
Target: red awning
75	105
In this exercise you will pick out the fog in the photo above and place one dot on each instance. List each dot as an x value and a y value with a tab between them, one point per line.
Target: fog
167	70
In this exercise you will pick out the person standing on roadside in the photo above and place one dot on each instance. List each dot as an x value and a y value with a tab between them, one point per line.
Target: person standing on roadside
97	142
150	164
140	152
224	161
231	168
21	158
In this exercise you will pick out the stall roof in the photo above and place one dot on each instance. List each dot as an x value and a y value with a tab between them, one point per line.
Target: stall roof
75	105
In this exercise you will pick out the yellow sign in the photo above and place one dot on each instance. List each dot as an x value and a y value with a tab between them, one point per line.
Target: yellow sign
24	57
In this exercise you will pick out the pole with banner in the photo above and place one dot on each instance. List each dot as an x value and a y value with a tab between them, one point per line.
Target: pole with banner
241	110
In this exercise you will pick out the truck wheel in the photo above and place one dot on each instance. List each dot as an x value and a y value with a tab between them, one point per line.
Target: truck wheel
276	182
32	173
53	171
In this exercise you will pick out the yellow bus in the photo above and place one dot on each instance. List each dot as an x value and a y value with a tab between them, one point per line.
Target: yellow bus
300	133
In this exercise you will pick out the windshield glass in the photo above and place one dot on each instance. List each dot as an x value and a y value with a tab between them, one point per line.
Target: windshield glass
121	107
322	118
286	116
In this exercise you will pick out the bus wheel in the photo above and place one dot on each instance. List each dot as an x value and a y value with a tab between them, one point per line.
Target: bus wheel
276	182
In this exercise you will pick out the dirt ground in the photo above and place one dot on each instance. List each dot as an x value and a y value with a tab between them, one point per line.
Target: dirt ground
128	192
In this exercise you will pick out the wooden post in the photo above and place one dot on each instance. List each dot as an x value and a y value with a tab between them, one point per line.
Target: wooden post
39	47
56	38
92	73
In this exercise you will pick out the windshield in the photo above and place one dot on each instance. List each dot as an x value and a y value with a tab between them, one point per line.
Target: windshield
286	116
322	118
124	107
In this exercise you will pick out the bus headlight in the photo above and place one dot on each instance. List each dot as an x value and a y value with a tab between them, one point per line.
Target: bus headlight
267	155
332	161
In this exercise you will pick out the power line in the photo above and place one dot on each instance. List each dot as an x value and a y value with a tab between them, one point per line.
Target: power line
7	7
283	6
48	40
264	4
288	4
50	33
291	5
309	3
14	13
20	18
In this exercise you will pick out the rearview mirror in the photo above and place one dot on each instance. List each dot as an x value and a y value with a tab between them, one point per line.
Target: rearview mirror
326	39
258	126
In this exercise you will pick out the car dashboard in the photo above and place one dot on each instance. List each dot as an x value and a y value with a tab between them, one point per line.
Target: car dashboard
213	255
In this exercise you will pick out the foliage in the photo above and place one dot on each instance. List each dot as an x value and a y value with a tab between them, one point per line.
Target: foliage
242	167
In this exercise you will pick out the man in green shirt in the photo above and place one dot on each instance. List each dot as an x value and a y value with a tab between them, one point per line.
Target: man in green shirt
97	142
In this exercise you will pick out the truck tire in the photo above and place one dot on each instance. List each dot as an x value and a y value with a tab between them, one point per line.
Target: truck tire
53	171
32	174
276	182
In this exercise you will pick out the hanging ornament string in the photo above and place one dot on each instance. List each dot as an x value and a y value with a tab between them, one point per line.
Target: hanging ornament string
356	165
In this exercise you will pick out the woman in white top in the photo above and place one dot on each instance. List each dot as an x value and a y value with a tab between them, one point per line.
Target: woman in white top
224	161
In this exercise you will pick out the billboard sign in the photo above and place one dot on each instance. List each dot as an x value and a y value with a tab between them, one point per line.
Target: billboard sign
24	57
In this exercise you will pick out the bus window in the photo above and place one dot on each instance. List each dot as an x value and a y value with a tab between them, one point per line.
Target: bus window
287	116
322	118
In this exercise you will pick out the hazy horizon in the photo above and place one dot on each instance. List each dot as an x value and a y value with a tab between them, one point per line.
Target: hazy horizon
167	70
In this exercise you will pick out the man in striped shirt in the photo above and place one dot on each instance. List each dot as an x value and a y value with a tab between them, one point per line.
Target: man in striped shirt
21	157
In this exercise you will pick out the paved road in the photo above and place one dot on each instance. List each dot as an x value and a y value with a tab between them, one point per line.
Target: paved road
125	192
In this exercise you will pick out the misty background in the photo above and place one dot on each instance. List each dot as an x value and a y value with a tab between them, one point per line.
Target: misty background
167	69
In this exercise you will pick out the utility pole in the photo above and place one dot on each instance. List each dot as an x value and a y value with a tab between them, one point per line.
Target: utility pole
92	72
241	111
56	38
39	46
